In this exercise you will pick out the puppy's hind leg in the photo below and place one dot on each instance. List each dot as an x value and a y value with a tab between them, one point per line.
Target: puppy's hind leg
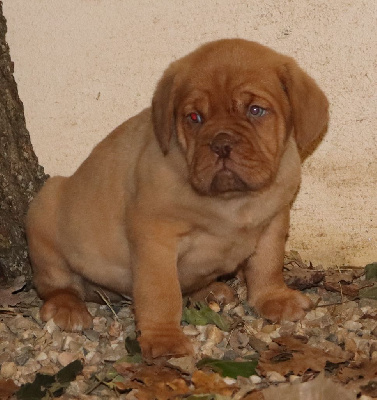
62	290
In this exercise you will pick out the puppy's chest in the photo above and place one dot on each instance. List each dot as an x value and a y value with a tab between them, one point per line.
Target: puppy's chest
203	253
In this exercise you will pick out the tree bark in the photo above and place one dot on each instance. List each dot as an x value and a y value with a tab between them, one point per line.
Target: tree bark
20	174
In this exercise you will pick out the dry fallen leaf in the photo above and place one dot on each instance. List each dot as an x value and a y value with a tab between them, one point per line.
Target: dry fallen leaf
320	388
7	388
211	383
8	297
152	381
359	374
299	278
292	355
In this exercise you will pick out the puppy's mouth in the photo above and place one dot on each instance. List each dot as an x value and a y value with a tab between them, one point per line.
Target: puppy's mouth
226	180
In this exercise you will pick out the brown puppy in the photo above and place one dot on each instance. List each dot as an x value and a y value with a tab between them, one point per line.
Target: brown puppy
183	193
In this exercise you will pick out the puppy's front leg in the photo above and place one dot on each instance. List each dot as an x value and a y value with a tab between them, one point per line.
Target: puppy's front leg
267	291
157	293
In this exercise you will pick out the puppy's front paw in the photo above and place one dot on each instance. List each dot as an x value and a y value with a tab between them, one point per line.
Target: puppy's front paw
168	342
283	305
67	310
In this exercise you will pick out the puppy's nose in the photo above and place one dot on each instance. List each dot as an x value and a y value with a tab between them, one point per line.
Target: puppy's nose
222	145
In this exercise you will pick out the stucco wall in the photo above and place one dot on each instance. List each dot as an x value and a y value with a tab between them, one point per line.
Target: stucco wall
84	66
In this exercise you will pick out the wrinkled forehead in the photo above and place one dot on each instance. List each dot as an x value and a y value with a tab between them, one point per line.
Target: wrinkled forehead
229	70
226	82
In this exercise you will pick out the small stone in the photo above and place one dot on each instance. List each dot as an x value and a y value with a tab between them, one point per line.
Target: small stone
65	358
214	306
239	310
99	324
264	337
315	314
190	330
8	369
53	356
269	328
230	381
275	377
214	334
255	379
74	346
76	388
50	326
294	378
67	340
352	325
257	324
41	356
93	358
48	369
115	329
92	335
374	356
350	345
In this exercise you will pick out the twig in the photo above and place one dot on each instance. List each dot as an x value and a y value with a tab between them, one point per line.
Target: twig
106	300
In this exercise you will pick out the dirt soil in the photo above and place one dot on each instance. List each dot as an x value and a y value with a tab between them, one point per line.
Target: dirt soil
331	353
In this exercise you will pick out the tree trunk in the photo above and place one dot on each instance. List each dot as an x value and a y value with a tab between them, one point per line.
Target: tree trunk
20	174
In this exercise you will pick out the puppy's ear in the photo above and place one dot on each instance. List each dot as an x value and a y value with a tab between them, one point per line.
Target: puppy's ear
163	110
309	106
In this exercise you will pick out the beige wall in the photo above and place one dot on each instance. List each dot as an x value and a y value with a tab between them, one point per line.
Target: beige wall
84	66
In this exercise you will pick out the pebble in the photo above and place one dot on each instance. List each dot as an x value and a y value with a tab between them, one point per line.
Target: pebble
8	369
214	306
190	330
230	381
214	334
27	348
275	377
269	328
294	378
41	356
352	325
50	326
255	379
65	358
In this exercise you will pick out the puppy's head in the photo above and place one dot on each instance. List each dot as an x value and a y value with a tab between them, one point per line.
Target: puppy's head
230	106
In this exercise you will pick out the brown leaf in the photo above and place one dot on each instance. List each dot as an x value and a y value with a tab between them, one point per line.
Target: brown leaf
8	297
362	372
300	279
7	388
294	356
254	396
319	388
351	290
153	381
211	383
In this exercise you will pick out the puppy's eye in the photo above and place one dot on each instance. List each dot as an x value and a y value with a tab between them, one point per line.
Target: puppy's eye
256	111
195	117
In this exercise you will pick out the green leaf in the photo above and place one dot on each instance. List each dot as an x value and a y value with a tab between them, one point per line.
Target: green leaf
55	384
132	346
201	314
30	391
371	272
69	372
368	293
229	368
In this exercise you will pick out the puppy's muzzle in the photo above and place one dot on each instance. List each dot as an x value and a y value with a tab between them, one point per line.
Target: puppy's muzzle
222	145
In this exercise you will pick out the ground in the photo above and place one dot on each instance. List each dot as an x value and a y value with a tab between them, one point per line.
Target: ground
238	355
